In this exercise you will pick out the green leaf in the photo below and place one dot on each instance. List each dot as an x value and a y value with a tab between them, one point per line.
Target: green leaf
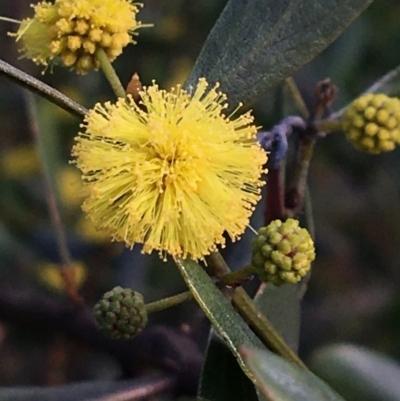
282	307
222	379
285	376
357	373
255	44
280	380
225	320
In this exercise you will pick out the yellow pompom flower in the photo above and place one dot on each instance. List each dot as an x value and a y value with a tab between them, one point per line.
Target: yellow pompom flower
75	29
372	123
173	173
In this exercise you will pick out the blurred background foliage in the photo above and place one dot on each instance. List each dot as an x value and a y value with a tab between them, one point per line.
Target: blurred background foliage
353	293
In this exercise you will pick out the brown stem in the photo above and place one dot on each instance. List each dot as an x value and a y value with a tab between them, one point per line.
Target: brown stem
275	208
294	196
66	262
325	93
43	90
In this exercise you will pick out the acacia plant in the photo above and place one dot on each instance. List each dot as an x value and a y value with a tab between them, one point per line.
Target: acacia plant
179	171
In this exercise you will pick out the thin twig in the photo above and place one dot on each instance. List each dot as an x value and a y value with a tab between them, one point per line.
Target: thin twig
160	385
325	93
169	302
275	204
275	208
294	196
295	193
297	98
42	89
308	210
51	200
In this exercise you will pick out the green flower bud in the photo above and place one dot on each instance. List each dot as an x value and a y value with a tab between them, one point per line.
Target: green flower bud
257	259
121	313
282	252
372	123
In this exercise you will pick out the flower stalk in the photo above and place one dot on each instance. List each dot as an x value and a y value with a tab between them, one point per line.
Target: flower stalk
237	277
169	302
110	73
328	125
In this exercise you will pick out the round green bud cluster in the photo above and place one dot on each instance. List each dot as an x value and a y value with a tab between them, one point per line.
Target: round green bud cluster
372	123
121	313
282	252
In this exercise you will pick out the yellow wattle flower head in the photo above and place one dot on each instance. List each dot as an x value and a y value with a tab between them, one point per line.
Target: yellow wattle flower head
372	123
173	173
75	29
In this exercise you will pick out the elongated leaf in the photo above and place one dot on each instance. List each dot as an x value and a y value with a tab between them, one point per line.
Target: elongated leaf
282	307
280	380
225	320
257	43
222	378
357	373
